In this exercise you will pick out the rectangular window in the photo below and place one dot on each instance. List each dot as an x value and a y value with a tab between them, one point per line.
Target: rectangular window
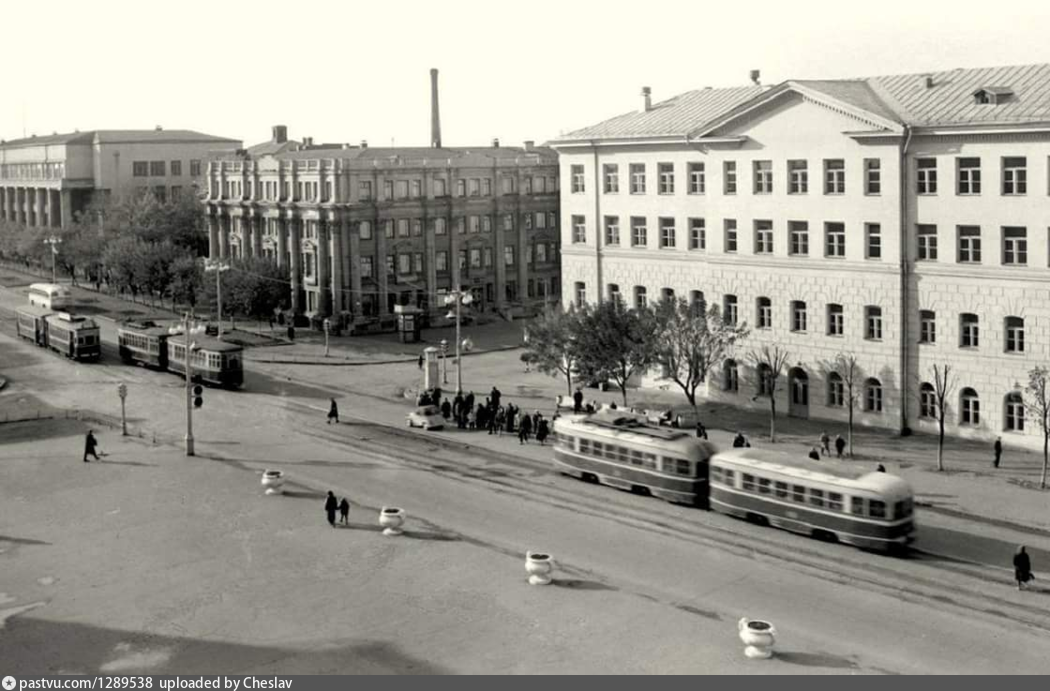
462	259
388	229
1015	175
873	321
798	494
404	264
834	501
763	237
927	327
667	233
697	234
508	255
417	189
780	490
835	240
816	497
697	183
798	316
195	168
665	172
1014	335
156	168
507	184
798	177
763	177
580	293
876	508
612	230
969	331
402	227
440	189
140	169
730	235
365	230
578	186
487	254
834	176
729	177
441	260
968	175
461	187
486	187
402	189
969	244
440	226
366	267
388	189
176	168
637	171
926	250
873	241
364	190
798	236
639	233
486	224
1015	246
872	176
579	229
540	185
926	176
729	310
836	321
541	220
475	187
764	313
611	178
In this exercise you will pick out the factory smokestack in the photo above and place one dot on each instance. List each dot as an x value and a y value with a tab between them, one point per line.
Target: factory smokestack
435	113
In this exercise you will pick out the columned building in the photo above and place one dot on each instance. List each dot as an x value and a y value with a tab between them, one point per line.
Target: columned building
45	181
364	229
903	220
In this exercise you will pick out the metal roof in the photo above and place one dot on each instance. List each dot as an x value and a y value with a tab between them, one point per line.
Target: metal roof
120	136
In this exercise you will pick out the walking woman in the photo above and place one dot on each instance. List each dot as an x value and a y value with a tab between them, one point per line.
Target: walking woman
333	412
330	507
1022	568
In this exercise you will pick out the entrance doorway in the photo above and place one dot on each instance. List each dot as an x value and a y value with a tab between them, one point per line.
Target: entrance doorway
798	385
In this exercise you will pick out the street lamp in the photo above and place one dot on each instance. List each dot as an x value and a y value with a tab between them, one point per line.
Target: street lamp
444	360
191	347
54	241
459	298
327	329
218	267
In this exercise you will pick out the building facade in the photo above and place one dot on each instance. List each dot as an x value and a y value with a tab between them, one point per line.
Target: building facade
364	229
46	181
903	220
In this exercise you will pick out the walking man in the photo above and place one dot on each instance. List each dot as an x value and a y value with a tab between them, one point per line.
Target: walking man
333	412
825	443
998	451
421	362
577	401
701	431
840	445
330	506
1022	568
90	444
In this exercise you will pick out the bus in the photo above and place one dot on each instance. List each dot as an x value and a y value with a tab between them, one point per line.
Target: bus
622	450
825	500
50	295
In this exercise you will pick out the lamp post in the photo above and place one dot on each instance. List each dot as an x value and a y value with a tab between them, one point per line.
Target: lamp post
444	361
122	391
327	329
54	241
218	267
460	298
190	348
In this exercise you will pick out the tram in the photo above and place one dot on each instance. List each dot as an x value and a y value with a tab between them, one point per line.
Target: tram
31	325
214	362
76	337
143	343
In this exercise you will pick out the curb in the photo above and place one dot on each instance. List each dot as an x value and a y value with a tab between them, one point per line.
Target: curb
357	363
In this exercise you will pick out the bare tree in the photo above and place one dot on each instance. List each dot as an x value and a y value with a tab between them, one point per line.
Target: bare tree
769	362
845	365
943	385
1037	406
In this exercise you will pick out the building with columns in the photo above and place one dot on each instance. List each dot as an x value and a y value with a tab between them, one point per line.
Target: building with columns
364	229
902	219
46	181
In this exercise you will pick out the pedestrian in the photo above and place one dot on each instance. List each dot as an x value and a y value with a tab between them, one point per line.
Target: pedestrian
814	454
496	394
825	443
1022	568
333	412
577	401
701	431
542	430
880	469
612	406
421	362
589	409
469	400
739	441
446	409
271	322
840	445
472	420
90	445
457	404
535	420
512	412
291	332
998	451
344	512
494	420
330	506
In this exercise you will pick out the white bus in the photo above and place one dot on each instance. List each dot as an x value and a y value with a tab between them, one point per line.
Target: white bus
50	295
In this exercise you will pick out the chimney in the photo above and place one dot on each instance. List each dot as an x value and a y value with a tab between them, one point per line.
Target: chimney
435	116
158	128
755	75
280	134
529	144
647	93
308	142
364	143
495	142
928	81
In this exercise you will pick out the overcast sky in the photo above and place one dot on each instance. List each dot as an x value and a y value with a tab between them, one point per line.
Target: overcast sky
346	71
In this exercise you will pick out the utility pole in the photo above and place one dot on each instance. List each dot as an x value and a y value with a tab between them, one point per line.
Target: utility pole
460	298
327	329
218	267
189	384
122	391
54	241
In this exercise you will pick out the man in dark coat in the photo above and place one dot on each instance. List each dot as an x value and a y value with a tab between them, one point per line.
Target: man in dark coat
542	430
90	444
998	451
701	431
525	429
333	412
421	358
330	507
739	441
577	401
457	405
495	395
446	409
840	445
469	400
880	469
1022	568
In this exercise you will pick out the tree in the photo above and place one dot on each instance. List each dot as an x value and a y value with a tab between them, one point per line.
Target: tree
769	362
845	365
690	341
550	342
187	280
252	287
614	343
943	385
1037	405
123	260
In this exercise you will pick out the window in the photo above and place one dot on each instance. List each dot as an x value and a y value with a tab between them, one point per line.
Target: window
440	189
641	298
1015	175
873	241
969	331
667	233
364	190
730	235
365	230
816	497
388	189
402	189
834	240
970	407
579	230
508	255
390	263
969	244
872	176
461	187
798	238
927	327
176	168
729	177
697	304
486	187
835	320
639	233
612	230
697	234
1015	246
798	316
1014	331
873	396
404	263
968	175
927	243
507	184
1014	412
873	321
486	224
780	489
747	482
876	508
611	178
926	175
834	176
697	181
541	253
580	293
402	227
195	168
763	177
366	267
834	501
729	313
763	237
798	177
462	259
441	260
666	177
856	505
798	494
156	168
527	218
614	294
927	401
577	179
388	229
764	485
764	313
637	171
475	185
140	169
730	376
836	390
417	189
539	186
487	255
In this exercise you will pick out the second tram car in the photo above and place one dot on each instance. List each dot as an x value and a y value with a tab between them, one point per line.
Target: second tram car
76	337
214	362
143	343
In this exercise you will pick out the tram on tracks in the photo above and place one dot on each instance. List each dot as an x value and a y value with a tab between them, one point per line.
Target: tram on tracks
214	362
74	336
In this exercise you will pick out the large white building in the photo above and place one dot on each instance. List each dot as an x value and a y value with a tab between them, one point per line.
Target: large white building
903	219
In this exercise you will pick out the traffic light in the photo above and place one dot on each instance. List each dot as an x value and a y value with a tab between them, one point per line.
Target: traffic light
198	392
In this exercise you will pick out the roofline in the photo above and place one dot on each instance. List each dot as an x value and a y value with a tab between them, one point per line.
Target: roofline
1041	127
640	140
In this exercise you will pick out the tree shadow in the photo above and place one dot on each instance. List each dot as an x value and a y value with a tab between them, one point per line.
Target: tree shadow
580	584
825	660
135	463
22	541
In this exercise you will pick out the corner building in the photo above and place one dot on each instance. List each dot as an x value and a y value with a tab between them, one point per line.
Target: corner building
901	219
364	229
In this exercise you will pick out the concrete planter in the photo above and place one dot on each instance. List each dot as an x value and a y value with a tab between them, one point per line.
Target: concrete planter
758	636
539	566
391	520
273	481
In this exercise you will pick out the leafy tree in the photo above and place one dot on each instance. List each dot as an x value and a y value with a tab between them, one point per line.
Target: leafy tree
123	258
252	287
615	343
1037	406
769	362
691	340
943	385
187	280
550	342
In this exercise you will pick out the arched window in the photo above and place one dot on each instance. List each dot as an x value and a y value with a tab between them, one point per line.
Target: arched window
969	407
836	390
730	376
697	302
1014	408
1014	331
640	298
580	293
764	385
614	293
927	401
873	396
667	294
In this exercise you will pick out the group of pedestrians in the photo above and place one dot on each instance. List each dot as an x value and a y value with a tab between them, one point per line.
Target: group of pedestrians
495	417
331	506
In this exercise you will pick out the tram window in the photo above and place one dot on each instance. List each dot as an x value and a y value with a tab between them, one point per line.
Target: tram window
834	501
902	509
877	509
636	457
683	467
780	489
716	474
620	454
650	461
729	477
598	449
763	485
856	505
585	446
816	497
749	482
668	466
798	493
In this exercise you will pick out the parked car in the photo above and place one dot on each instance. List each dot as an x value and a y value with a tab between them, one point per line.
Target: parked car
427	417
684	417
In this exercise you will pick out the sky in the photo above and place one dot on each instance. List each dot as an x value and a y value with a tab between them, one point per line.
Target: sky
533	69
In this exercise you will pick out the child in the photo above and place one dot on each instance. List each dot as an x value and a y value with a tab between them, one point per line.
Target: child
344	512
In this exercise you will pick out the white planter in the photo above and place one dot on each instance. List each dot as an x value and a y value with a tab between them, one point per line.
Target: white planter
391	520
273	481
758	636
539	566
